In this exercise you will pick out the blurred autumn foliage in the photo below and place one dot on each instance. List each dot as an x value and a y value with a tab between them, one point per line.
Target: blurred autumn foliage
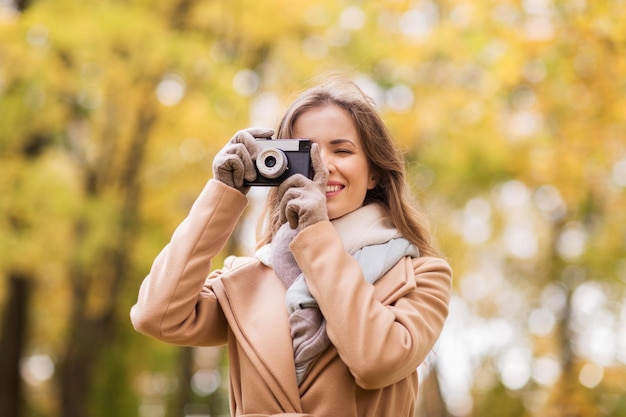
513	118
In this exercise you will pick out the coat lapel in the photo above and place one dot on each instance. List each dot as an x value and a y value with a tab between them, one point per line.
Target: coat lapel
253	300
396	282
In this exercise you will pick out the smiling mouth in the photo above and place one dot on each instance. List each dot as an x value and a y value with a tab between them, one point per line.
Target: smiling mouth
331	189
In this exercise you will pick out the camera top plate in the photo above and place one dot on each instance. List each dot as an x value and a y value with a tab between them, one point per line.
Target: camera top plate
290	145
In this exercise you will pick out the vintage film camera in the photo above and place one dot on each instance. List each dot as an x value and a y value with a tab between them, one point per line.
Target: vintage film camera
281	158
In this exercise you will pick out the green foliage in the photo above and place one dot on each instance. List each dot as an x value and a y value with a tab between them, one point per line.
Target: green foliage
500	401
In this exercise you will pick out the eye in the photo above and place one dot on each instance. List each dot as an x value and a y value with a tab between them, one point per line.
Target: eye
344	151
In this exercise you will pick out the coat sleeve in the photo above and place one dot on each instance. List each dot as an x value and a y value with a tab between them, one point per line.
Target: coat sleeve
381	343
176	303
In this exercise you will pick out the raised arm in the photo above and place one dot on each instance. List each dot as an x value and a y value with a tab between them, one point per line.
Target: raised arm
175	302
383	333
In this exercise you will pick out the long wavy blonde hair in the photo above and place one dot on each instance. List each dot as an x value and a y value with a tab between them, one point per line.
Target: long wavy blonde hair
385	160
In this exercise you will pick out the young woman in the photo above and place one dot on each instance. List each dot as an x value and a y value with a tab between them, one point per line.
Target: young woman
345	296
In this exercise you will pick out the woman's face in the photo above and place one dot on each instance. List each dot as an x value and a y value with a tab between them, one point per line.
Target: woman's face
342	154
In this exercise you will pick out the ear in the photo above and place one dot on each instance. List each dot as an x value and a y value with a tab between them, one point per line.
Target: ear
372	182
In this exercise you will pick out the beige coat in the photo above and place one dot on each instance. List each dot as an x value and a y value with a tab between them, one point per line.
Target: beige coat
380	334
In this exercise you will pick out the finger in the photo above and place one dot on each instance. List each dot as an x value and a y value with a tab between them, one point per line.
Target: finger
245	138
286	202
260	132
293	215
282	190
249	171
292	210
248	138
295	181
242	150
290	183
232	167
320	173
282	205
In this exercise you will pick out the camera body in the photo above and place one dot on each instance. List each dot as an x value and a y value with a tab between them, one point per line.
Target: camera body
281	158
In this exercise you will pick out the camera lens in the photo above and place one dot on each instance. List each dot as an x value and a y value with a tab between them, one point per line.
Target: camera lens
271	163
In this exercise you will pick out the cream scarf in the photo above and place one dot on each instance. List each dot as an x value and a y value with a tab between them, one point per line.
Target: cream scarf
369	236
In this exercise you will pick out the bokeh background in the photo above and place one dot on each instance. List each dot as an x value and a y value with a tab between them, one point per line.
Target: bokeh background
513	118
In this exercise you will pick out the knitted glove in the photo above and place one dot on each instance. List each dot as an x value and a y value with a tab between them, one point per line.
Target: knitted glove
284	264
234	163
303	201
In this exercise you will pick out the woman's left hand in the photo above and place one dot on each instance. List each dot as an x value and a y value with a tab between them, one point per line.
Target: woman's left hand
303	201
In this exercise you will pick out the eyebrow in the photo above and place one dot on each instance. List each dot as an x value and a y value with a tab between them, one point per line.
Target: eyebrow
339	141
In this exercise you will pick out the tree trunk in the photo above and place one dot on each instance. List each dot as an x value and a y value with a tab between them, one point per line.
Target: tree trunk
22	5
184	393
432	403
12	342
90	334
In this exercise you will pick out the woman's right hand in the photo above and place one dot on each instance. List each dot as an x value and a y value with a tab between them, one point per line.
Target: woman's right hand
234	163
302	200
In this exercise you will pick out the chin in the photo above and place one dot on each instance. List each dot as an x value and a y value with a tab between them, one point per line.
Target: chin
335	216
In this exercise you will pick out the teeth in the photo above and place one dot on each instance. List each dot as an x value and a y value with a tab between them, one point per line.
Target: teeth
333	188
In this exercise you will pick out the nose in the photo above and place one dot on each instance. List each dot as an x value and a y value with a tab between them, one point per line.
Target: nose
327	160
